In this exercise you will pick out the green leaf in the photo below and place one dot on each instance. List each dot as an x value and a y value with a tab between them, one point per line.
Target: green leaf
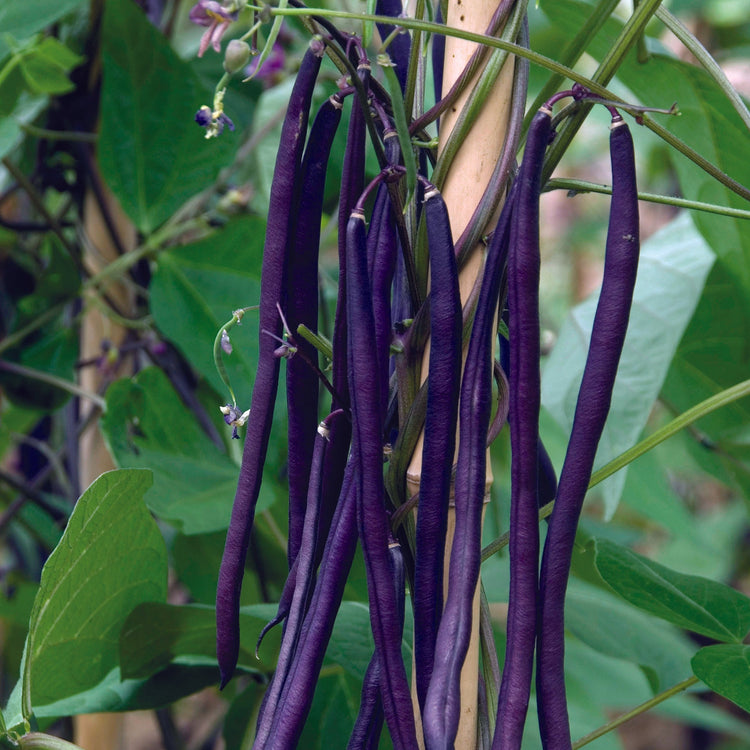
115	694
691	602
146	425
196	288
110	559
45	67
672	270
351	645
152	153
239	723
22	20
10	134
333	711
726	670
612	628
156	635
197	559
692	711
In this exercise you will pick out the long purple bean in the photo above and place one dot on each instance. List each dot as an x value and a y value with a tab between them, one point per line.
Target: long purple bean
372	521
352	185
442	706
369	723
273	274
302	385
399	48
439	437
523	301
594	397
304	577
382	248
294	703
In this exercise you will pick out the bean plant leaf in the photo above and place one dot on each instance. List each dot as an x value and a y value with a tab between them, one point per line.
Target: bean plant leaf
114	693
196	288
152	153
22	20
726	670
671	273
691	602
613	628
333	711
156	635
146	425
110	559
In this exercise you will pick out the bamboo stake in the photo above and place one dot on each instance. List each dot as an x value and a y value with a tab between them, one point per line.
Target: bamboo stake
100	730
464	186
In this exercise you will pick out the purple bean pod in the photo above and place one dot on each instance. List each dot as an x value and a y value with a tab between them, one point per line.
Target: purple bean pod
372	521
304	579
352	185
382	248
302	385
293	706
594	398
399	48
273	273
523	301
369	723
546	477
442	706
443	389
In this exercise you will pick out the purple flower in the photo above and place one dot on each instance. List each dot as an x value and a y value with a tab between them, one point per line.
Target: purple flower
212	14
213	120
234	418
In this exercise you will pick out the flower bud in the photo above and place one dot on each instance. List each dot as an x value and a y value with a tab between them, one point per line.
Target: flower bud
236	56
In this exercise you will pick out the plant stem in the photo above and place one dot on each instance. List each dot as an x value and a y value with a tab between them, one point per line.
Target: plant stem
646	706
702	409
581	186
46	377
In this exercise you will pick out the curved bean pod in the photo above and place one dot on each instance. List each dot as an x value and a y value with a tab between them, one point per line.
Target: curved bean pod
594	397
369	723
278	231
382	248
523	301
296	698
442	705
304	577
302	386
443	388
372	521
399	48
352	185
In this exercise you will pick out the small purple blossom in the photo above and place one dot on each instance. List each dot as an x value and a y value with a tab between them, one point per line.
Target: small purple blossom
234	417
213	120
216	17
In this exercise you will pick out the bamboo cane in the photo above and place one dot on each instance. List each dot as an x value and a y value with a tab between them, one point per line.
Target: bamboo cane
100	730
464	185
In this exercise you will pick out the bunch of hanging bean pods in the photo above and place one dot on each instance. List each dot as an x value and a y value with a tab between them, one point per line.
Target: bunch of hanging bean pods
345	487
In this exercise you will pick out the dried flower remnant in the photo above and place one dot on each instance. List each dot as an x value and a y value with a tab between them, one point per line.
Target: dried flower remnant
226	343
217	18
